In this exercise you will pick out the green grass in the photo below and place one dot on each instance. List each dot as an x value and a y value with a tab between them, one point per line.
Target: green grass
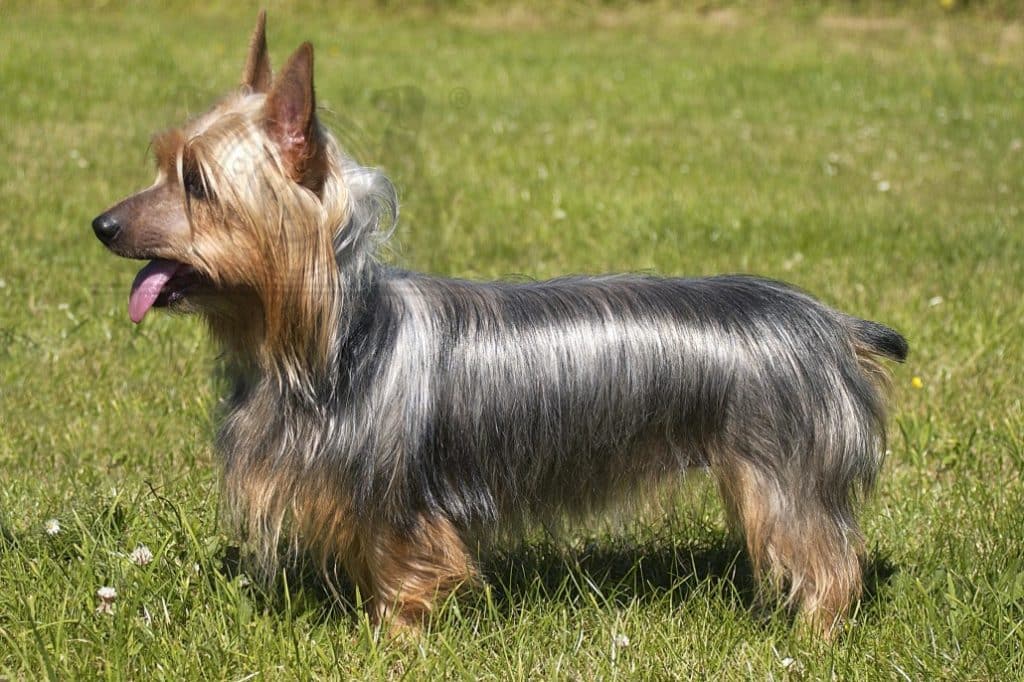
572	141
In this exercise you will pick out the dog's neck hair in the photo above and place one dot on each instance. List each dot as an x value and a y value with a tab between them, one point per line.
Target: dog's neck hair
306	255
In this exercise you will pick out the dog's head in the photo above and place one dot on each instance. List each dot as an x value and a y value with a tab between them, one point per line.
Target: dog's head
247	198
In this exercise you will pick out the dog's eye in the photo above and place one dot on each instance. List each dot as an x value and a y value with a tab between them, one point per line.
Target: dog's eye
193	182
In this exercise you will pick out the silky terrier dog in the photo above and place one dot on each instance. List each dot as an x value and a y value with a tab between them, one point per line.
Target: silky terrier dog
389	423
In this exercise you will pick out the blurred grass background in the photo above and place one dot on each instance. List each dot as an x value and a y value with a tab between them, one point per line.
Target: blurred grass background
871	153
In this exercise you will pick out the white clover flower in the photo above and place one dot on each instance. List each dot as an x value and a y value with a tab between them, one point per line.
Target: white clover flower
141	555
107	597
620	641
884	186
52	527
789	663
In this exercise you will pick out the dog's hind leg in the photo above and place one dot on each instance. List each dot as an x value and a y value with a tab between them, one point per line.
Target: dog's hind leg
798	543
407	573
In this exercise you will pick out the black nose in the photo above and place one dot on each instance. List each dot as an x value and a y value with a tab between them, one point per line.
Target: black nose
106	228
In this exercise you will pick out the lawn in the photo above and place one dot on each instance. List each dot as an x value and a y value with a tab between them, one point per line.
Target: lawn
876	160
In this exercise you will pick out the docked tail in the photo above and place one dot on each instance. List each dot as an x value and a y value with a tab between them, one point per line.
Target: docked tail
878	339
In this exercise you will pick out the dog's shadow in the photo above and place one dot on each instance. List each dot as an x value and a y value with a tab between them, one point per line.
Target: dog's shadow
619	573
608	571
614	572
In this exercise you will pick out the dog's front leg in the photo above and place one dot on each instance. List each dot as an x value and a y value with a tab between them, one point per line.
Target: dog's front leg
406	573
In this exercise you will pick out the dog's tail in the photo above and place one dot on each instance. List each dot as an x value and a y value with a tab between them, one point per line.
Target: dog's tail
876	339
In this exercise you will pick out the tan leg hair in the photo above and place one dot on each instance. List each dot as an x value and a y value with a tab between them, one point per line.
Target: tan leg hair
793	541
407	574
400	575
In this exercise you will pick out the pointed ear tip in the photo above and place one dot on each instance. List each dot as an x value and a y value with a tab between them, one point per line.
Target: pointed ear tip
302	57
256	73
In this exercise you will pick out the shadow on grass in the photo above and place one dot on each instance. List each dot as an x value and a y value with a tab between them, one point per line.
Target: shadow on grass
616	572
612	572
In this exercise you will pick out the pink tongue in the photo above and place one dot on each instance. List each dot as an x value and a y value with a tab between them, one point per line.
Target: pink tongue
147	285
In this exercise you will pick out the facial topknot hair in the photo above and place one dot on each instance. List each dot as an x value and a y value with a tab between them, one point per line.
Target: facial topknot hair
284	241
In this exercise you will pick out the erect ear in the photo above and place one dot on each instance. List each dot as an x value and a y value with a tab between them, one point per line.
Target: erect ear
290	118
257	73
